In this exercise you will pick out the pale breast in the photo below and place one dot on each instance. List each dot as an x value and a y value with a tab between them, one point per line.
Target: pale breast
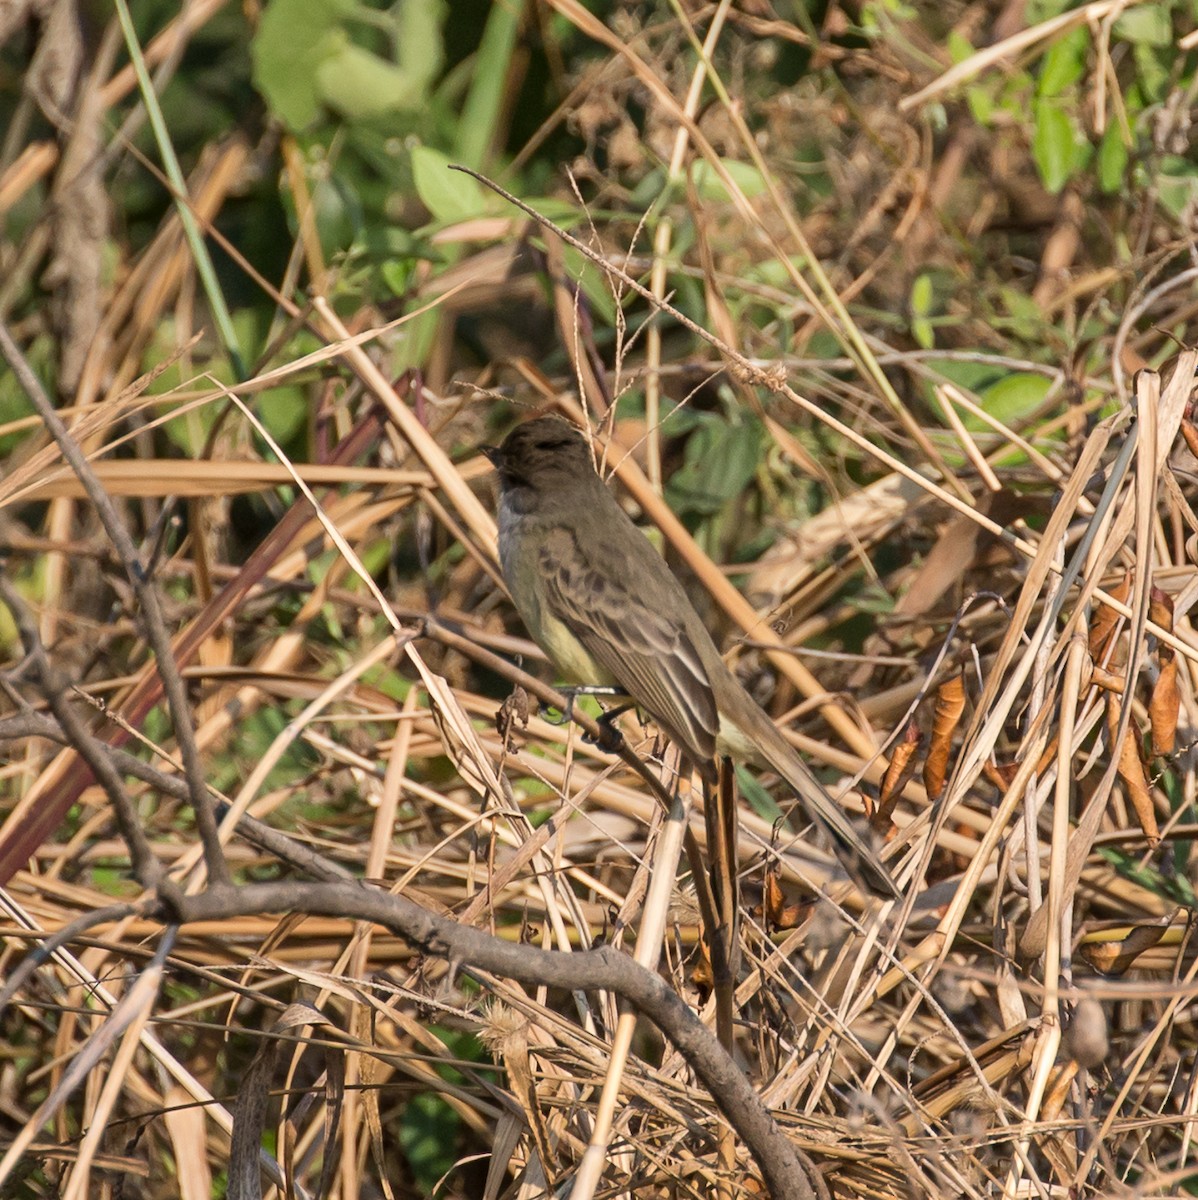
519	552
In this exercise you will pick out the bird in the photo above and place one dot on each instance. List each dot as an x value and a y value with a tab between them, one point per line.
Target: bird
605	607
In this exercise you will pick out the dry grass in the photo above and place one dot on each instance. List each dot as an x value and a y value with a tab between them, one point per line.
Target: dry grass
1020	1025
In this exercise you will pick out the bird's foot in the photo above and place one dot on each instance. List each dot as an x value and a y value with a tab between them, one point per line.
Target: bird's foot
610	738
561	716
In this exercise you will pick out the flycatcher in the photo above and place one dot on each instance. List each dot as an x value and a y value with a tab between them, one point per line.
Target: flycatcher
602	603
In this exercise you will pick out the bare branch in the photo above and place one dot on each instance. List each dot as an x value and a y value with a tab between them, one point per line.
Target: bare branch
152	620
605	969
54	688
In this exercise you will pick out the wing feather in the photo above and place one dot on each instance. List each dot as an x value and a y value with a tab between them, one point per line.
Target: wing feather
647	652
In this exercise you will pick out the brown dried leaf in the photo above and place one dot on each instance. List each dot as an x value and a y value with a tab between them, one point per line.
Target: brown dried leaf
516	710
1166	698
773	899
1190	434
898	775
702	976
1164	707
1115	956
1108	681
1160	612
773	910
950	704
1058	1091
1133	772
1102	625
1000	774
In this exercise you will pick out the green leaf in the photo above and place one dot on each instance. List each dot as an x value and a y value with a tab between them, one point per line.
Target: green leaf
488	86
420	35
1112	159
711	187
1039	11
1012	398
1154	73
397	274
1065	63
959	47
593	283
921	295
294	37
981	104
1053	145
1178	184
760	801
428	1133
1146	25
339	215
449	195
920	303
415	340
721	459
358	84
284	412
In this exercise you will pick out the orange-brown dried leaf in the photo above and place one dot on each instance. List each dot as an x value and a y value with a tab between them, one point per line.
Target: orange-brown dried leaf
1102	625
702	976
1108	681
1160	611
1190	433
1164	707
1049	754
774	900
773	910
898	775
1000	774
1058	1091
1116	956
950	704
1133	772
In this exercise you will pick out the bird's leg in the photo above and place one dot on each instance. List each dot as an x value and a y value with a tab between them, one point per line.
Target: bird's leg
719	811
729	895
610	738
562	717
572	693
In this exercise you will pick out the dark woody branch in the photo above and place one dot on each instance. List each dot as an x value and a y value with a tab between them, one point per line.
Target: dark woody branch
472	950
604	969
294	853
150	611
53	688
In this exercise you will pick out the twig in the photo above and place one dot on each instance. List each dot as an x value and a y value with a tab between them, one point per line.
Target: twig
44	950
52	686
150	615
257	833
604	969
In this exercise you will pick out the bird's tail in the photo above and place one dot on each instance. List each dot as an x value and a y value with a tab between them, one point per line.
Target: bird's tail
857	856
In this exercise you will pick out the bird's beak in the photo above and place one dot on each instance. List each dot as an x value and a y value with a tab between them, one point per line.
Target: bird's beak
491	454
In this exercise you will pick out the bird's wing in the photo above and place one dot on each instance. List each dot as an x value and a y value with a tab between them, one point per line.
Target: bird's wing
648	652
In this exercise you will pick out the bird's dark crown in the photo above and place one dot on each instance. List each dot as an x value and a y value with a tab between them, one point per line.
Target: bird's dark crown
545	446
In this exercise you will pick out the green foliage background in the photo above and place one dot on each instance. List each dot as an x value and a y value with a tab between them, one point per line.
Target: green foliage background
937	222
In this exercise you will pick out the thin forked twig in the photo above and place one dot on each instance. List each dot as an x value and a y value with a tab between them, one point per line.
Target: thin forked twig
603	969
150	614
